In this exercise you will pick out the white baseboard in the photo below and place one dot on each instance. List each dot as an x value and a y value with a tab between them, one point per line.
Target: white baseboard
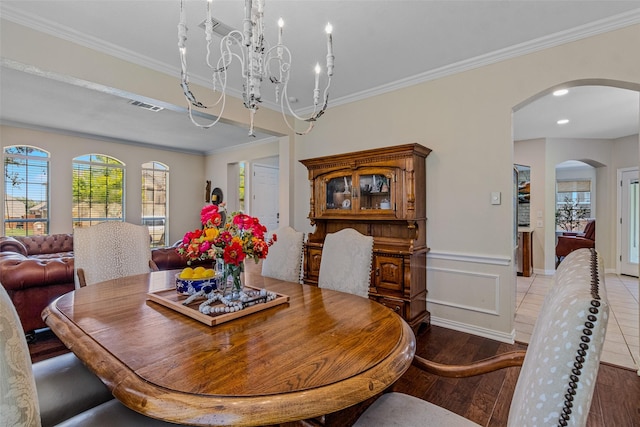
475	330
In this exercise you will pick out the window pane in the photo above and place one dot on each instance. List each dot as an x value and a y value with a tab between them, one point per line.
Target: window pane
26	192
155	178
98	190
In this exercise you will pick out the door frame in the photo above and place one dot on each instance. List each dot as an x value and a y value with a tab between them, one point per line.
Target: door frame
620	173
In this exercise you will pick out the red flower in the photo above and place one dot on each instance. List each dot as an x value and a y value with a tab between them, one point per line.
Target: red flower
234	254
210	215
243	221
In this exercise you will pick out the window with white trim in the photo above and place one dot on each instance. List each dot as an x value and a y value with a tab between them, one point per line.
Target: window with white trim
155	187
26	191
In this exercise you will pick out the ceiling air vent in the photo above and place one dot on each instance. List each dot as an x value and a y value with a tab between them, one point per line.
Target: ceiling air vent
145	105
219	28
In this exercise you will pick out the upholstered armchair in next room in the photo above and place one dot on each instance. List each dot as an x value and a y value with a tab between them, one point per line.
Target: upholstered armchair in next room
569	242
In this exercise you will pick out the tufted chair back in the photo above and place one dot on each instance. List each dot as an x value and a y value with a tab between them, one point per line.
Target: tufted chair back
346	262
110	250
284	260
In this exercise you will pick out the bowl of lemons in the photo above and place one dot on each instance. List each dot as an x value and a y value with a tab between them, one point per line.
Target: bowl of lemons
192	280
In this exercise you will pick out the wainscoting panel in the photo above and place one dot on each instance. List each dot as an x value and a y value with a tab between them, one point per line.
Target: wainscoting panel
474	293
466	290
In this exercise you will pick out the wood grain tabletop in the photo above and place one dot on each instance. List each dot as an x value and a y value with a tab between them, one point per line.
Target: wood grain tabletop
320	352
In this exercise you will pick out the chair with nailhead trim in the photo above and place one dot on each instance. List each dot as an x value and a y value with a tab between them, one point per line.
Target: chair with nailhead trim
559	369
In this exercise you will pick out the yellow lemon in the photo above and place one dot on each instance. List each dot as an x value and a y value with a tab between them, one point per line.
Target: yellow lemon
187	273
198	272
209	273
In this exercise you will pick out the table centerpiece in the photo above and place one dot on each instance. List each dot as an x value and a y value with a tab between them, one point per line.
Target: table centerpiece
228	244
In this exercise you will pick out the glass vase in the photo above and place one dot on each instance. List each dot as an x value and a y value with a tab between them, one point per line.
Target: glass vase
234	280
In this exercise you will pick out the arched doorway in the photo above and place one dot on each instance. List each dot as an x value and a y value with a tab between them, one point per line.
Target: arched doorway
608	154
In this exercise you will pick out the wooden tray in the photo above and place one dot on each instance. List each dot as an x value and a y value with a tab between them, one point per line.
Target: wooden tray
173	300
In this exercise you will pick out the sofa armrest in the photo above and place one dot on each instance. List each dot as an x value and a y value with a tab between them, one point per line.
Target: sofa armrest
169	259
568	244
9	244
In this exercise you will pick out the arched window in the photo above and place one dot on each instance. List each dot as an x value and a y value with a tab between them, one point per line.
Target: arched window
155	199
26	191
98	190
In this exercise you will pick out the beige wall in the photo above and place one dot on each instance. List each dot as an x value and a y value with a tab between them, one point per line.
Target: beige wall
466	119
185	188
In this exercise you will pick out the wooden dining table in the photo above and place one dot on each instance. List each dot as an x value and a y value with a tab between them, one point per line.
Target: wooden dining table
320	352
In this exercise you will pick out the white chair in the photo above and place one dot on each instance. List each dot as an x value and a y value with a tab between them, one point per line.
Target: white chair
346	262
110	250
284	260
57	391
559	370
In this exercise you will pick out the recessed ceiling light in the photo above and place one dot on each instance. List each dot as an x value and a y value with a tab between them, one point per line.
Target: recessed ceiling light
560	92
563	121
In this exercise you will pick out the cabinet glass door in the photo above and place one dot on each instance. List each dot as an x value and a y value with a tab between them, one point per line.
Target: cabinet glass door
375	191
338	192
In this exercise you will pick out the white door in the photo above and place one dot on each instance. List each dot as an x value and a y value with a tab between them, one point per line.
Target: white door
265	195
629	222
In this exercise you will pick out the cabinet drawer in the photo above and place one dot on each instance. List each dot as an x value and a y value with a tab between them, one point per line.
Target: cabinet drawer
393	304
388	273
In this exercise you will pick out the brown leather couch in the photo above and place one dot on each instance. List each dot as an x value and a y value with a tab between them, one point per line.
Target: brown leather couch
569	242
37	269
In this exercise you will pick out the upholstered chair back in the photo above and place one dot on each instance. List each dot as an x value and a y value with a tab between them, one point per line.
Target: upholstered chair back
559	371
346	262
110	250
284	260
18	395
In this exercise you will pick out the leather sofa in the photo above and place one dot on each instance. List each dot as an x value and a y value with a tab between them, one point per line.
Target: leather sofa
37	269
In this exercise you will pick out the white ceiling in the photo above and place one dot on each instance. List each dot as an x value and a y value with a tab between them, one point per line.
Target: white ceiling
379	46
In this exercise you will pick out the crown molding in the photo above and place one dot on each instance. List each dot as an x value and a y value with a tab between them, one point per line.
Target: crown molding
577	33
584	31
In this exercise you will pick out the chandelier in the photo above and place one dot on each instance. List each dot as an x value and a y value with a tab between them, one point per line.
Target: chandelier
258	61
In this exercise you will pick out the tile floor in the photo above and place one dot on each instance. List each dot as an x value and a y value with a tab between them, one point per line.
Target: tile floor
622	343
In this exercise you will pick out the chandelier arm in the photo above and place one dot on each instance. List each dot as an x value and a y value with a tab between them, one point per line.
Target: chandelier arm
210	124
258	61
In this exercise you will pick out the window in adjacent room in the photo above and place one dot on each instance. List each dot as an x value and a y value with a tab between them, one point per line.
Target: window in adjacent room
98	190
241	186
573	204
155	187
26	191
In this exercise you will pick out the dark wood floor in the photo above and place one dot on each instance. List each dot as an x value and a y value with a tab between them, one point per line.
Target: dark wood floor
483	399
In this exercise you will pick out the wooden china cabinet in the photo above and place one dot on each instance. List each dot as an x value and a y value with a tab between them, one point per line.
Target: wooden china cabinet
380	193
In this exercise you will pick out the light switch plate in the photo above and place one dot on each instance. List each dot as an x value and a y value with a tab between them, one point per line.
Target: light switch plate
495	198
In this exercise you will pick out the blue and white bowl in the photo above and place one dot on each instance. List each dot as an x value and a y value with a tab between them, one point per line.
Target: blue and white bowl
191	286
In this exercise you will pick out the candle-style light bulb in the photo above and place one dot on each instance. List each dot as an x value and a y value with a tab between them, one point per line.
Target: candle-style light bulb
330	56
280	26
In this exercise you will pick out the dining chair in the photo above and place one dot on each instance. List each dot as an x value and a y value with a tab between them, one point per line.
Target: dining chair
109	250
284	260
59	391
346	262
558	370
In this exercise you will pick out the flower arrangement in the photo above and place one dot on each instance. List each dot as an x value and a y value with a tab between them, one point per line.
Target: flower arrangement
240	237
